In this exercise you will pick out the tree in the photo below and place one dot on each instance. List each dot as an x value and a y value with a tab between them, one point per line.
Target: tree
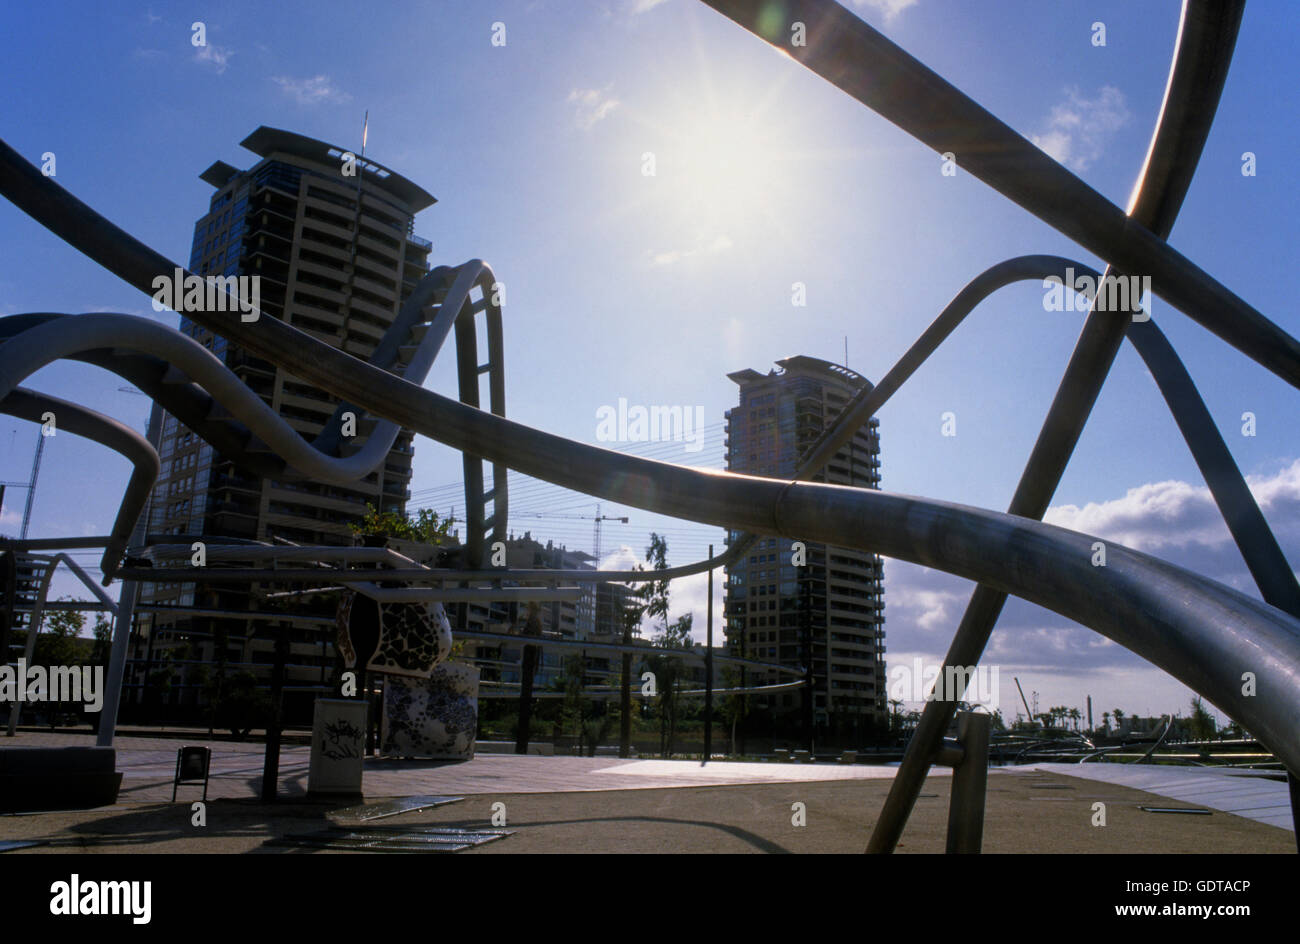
631	621
734	706
103	633
895	714
528	669
55	643
243	706
668	673
573	714
652	601
426	527
1201	725
654	593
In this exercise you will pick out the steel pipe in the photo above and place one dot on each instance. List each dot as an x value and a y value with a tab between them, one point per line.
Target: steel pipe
80	421
858	60
1197	73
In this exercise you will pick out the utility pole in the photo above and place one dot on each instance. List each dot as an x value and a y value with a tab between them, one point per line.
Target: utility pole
708	672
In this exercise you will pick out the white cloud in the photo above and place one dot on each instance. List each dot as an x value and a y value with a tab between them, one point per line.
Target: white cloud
1173	520
624	558
1179	521
644	6
1079	129
216	56
719	243
890	8
315	90
686	595
593	105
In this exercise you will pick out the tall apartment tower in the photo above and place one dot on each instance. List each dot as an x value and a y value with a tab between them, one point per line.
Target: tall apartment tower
336	256
829	613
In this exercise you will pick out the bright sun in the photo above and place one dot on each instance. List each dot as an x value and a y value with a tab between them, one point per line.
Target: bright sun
721	169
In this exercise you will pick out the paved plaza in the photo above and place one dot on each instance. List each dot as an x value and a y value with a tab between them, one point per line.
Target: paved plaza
606	804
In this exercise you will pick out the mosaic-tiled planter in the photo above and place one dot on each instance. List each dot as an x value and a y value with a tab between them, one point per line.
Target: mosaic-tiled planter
393	638
433	718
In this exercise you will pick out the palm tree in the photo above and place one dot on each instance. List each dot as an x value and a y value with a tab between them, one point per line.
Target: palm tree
895	714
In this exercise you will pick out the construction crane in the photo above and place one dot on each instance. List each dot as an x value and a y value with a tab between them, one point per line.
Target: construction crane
597	518
589	590
30	485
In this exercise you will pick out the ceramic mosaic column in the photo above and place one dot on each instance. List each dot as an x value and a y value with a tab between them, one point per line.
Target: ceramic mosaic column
435	717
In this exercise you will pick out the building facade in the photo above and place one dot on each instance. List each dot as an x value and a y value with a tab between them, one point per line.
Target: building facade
500	662
826	616
335	255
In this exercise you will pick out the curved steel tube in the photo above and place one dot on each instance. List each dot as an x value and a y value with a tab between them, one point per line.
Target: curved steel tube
1202	633
106	330
1273	574
858	60
1250	531
1230	492
192	406
26	353
185	400
1206	37
865	404
387	353
80	421
1198	631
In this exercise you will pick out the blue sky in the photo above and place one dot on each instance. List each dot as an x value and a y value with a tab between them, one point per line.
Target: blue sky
653	288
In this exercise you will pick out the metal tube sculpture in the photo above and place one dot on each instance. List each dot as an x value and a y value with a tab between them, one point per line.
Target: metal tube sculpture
1205	634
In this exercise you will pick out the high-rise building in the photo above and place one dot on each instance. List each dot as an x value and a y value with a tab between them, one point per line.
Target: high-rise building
827	615
336	255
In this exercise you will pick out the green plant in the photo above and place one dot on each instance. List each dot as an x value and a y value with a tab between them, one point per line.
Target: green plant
242	706
1202	724
426	526
458	651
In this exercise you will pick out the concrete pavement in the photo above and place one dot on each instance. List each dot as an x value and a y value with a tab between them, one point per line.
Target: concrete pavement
575	804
